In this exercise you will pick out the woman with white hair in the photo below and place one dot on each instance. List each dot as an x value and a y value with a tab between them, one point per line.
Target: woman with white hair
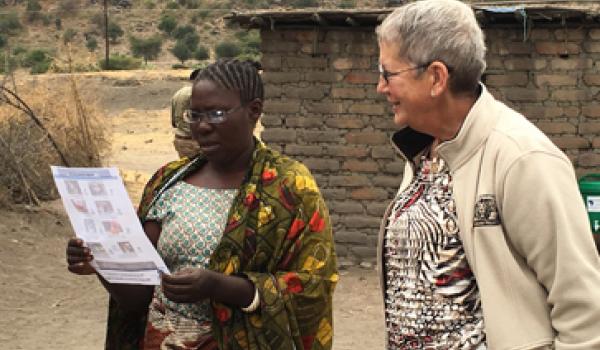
487	244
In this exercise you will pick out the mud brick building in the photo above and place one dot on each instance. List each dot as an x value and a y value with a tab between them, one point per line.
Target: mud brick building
322	107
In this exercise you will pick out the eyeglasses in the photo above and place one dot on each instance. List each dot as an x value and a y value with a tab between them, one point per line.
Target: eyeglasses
216	116
386	75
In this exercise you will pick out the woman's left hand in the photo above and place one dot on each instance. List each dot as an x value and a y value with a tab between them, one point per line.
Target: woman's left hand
189	285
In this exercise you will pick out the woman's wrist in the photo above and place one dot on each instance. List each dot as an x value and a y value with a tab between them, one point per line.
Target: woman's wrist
233	290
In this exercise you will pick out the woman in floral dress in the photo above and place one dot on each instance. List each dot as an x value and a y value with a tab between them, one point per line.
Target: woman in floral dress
244	231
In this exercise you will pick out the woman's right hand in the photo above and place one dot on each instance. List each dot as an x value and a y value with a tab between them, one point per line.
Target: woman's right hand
79	257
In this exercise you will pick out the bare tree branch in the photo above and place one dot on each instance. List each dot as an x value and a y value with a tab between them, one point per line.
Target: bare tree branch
22	106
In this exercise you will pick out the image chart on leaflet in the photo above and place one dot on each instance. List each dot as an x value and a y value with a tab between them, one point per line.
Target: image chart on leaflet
102	215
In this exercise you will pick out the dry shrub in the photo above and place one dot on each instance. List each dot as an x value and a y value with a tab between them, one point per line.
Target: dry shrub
72	121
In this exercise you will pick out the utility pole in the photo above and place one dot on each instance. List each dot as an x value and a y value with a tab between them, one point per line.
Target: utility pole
106	44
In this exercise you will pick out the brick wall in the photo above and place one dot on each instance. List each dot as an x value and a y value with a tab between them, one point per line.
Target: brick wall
322	108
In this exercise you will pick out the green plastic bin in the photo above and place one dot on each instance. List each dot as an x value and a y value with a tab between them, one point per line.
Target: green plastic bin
589	185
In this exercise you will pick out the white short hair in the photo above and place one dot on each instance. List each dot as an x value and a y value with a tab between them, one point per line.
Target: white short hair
438	30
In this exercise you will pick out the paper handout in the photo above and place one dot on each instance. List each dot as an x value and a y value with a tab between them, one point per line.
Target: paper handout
102	215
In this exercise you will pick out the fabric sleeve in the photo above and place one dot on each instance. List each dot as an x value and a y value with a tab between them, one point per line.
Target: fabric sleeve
296	299
545	219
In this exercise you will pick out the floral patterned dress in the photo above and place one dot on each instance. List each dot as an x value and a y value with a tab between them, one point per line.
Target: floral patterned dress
278	235
192	220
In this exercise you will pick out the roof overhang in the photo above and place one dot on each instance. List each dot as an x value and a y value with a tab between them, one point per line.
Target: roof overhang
500	13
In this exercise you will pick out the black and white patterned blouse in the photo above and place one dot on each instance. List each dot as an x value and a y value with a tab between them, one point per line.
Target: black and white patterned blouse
432	300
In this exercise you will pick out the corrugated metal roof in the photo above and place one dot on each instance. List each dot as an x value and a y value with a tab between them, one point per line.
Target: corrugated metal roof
488	13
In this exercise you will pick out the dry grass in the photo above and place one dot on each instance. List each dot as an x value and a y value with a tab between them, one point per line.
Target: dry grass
71	132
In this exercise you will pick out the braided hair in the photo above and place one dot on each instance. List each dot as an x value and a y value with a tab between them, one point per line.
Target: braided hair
235	75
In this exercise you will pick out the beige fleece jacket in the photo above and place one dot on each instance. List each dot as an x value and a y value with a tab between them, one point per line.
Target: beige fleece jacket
537	268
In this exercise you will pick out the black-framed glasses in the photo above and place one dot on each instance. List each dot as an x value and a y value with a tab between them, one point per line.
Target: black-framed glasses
386	75
216	116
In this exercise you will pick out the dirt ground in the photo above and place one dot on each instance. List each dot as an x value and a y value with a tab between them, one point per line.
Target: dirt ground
44	306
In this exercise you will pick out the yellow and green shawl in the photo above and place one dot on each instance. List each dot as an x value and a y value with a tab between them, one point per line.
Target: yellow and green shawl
278	235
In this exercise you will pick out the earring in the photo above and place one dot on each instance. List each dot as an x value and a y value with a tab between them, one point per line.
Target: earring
432	93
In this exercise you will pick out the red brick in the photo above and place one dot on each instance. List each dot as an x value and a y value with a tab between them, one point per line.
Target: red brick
592	47
363	49
378	208
348	181
351	93
540	34
359	238
589	128
510	79
367	108
591	79
334	193
519	48
299	35
323	77
387	181
361	78
271	62
557	127
555	80
283	107
570	34
591	110
570	142
362	221
279	46
596	142
351	63
324	107
361	166
273	91
368	193
322	164
278	135
383	152
539	112
384	123
345	123
347	151
557	48
516	64
570	95
322	48
281	77
305	62
571	63
523	94
312	92
346	207
595	34
331	136
304	122
396	168
589	159
367	137
494	63
303	150
339	36
271	120
571	111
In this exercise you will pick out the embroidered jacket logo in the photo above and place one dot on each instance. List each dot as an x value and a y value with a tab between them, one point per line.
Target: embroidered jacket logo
486	211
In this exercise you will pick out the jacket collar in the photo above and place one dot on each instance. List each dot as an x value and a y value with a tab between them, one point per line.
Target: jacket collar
472	134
